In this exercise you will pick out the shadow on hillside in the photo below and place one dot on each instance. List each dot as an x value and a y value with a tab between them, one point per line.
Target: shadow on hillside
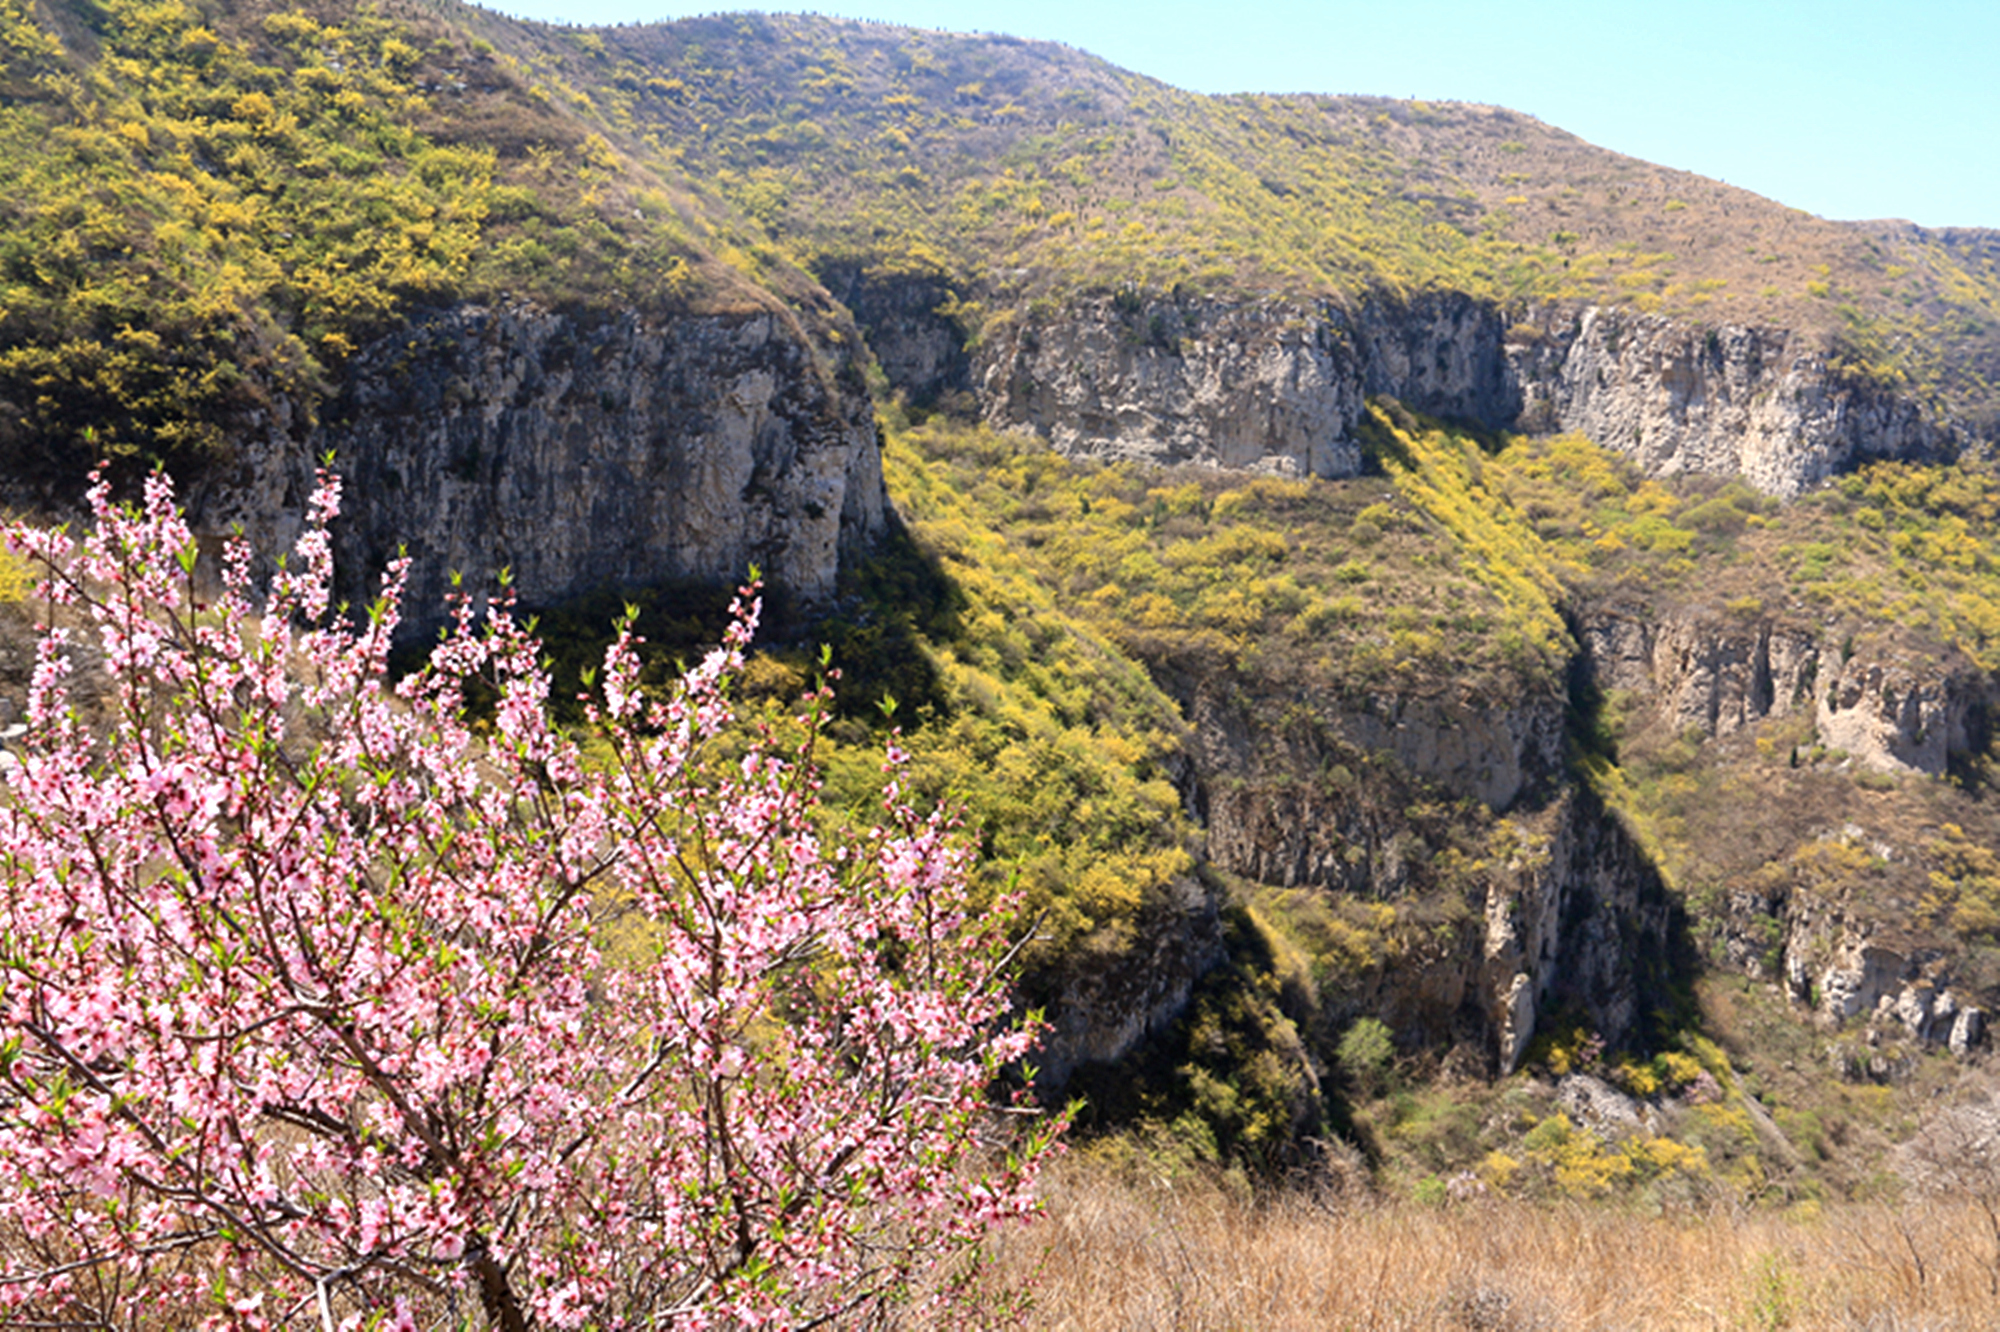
886	605
890	605
1664	958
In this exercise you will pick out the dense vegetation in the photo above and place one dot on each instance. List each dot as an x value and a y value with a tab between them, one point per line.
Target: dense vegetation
207	208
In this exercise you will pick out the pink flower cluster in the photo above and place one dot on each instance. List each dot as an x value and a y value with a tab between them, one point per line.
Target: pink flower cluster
308	1016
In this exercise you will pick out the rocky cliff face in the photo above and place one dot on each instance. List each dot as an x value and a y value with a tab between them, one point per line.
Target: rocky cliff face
1276	386
1269	387
1889	708
1715	673
1278	802
1107	1007
1726	401
920	348
1902	711
1280	385
582	453
1570	916
1843	966
1577	919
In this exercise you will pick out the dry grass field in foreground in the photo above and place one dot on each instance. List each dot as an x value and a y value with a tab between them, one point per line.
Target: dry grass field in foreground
1193	1257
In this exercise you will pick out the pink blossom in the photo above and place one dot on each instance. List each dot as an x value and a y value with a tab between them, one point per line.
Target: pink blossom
307	1016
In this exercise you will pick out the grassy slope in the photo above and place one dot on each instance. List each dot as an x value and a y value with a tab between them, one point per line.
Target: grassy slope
205	207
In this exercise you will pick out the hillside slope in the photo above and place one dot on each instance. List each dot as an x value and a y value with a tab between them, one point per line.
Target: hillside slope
212	206
1020	170
240	236
1382	774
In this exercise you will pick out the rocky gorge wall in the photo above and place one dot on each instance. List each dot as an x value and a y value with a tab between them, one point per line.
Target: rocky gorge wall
580	452
1280	385
1888	706
1565	912
1103	1007
1883	704
1763	404
1843	965
1261	387
583	453
1569	915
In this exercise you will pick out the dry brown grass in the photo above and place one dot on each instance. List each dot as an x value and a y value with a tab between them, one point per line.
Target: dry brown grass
1191	1256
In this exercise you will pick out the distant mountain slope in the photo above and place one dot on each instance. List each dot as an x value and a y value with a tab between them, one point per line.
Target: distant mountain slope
205	209
207	206
239	236
1023	169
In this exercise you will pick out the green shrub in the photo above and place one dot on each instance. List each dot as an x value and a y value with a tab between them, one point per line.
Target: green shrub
1366	1051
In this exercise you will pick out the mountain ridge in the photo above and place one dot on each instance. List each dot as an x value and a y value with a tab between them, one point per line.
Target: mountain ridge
1457	166
736	162
1406	703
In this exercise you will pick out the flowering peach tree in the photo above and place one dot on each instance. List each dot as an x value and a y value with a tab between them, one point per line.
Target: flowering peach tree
328	1001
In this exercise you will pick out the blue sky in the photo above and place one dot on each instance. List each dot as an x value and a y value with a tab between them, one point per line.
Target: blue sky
1843	108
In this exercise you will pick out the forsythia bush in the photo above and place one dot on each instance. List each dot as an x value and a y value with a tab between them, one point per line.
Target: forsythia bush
305	1019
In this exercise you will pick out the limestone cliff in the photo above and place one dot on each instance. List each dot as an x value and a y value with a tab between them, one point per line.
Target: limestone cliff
1713	672
1269	386
1887	706
1274	385
1279	384
1275	797
1568	915
1577	918
1103	1007
1763	404
1842	964
582	452
1897	710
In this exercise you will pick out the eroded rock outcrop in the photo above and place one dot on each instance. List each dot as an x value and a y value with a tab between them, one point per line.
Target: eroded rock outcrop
1886	706
1578	919
911	332
1571	916
1763	404
1281	802
1902	711
1717	673
1847	966
1107	1006
1274	387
